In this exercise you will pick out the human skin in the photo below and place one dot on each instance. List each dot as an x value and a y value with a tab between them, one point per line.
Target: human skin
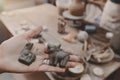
10	52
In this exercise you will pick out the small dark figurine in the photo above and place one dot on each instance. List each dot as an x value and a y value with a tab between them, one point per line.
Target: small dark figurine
61	25
27	57
40	38
57	56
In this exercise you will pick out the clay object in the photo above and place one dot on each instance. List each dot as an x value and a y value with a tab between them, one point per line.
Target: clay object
60	10
57	56
77	8
90	28
61	25
40	38
82	36
104	1
70	37
27	57
101	56
109	35
73	72
115	41
78	69
98	71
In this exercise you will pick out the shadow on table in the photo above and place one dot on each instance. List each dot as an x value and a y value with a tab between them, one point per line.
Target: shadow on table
4	33
115	75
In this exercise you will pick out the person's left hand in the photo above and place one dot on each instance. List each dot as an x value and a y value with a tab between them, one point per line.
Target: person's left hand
10	52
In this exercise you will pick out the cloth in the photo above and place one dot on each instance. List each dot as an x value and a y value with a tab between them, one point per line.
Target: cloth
93	13
63	3
111	16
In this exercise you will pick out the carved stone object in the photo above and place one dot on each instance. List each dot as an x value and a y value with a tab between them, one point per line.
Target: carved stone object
27	57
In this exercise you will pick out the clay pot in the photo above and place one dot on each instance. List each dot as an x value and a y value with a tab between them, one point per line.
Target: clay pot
104	1
77	8
71	73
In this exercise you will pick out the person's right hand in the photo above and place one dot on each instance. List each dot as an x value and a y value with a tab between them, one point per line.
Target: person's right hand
10	52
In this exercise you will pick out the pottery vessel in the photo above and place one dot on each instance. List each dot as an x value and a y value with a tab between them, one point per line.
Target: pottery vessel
104	1
77	8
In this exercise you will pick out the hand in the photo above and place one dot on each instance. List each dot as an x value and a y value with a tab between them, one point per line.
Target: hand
10	52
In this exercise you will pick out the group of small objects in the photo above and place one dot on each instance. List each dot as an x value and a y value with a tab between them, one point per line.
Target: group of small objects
91	52
58	57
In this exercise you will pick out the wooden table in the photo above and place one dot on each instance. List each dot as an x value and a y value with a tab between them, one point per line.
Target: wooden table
47	15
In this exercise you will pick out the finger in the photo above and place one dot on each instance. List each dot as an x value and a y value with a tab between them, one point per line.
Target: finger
48	68
68	51
71	64
74	58
30	34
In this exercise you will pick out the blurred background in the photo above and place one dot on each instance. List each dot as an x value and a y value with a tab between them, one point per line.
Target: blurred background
16	4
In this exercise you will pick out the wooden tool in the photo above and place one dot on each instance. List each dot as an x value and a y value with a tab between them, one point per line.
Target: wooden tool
83	37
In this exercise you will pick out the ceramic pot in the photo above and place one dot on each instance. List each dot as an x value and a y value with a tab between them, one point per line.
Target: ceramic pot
77	8
104	1
71	73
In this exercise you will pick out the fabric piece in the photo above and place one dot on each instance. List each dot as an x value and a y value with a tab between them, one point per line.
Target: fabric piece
93	13
111	16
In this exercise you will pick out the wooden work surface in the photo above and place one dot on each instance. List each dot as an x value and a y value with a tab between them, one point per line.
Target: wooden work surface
47	15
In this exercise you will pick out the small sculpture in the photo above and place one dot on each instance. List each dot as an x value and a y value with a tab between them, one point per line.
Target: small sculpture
71	37
61	25
109	35
82	36
57	55
27	57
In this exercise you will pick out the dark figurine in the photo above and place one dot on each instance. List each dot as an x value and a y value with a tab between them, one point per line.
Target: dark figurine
40	38
61	26
27	57
37	36
57	56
